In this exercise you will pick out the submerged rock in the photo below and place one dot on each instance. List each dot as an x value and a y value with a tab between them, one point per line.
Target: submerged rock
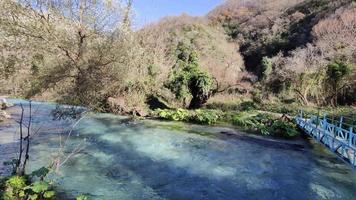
4	115
4	104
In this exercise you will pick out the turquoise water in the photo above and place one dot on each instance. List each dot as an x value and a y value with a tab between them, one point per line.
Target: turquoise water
122	159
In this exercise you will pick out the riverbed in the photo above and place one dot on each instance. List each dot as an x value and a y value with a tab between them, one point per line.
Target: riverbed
147	159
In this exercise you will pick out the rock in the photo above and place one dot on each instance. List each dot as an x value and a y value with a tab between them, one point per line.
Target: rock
4	104
4	115
139	112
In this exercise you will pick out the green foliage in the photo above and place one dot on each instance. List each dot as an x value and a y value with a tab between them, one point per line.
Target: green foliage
336	71
14	188
265	124
82	197
187	79
175	115
206	116
231	28
39	187
202	81
257	96
249	119
40	173
247	105
20	188
49	194
200	116
284	129
242	119
267	65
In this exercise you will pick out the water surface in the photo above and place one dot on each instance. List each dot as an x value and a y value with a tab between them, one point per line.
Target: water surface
149	159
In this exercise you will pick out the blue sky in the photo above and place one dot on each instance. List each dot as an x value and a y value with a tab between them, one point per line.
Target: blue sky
152	10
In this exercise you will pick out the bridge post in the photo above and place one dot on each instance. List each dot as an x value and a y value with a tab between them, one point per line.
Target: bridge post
316	127
341	120
350	136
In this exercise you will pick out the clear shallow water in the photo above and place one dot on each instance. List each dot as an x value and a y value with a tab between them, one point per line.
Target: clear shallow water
165	160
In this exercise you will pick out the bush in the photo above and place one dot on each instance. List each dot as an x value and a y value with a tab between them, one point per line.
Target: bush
20	188
175	115
242	119
14	188
265	124
247	106
188	79
200	116
206	116
284	129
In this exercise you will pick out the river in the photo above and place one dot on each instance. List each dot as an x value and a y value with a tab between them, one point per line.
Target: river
148	159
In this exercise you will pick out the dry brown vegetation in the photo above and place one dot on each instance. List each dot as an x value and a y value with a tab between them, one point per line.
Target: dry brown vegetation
86	52
217	55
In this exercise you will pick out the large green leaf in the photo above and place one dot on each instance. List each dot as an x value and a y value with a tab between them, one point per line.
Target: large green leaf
49	194
43	171
39	187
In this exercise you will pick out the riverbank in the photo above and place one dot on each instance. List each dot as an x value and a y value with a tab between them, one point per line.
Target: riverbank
265	119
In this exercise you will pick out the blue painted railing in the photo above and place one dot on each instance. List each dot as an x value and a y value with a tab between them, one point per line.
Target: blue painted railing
338	136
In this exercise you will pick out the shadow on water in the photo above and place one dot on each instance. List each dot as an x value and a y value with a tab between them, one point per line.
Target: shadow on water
133	160
174	182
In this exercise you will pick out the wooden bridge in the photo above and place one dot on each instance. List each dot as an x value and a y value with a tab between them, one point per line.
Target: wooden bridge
337	135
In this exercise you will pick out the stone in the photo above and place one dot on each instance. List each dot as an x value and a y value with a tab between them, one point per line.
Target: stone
4	104
138	111
4	115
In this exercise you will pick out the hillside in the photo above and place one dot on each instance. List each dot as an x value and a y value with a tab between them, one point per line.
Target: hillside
300	51
288	45
216	54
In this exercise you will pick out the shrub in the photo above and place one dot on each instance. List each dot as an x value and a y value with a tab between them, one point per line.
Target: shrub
188	80
265	124
242	119
176	115
206	116
283	129
247	106
19	187
14	188
199	116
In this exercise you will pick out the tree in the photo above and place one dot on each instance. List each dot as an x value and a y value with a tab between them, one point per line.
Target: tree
336	72
85	45
187	80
